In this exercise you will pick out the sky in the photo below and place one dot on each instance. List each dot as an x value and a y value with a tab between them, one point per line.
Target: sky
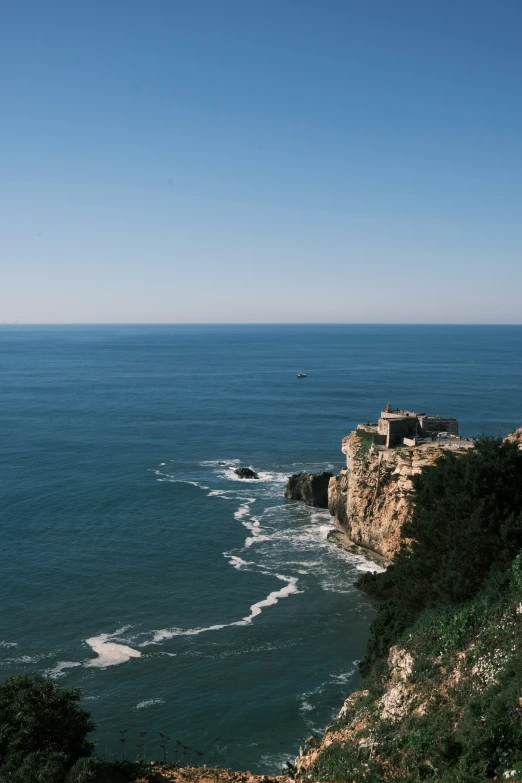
167	161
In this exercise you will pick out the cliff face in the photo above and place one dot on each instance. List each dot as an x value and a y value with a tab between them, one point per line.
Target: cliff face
369	499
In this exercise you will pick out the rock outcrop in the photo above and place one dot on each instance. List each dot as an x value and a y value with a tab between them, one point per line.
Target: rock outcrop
370	498
515	437
312	488
246	473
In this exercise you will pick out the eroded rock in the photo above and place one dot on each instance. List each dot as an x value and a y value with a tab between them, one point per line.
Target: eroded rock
246	473
311	488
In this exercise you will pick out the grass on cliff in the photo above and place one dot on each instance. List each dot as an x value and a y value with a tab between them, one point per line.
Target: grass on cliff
365	443
453	601
465	526
464	718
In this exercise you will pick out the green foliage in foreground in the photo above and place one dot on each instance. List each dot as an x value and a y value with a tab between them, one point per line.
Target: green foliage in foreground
44	736
465	527
43	731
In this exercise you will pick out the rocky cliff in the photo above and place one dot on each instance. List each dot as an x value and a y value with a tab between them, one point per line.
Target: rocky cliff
441	699
370	498
311	488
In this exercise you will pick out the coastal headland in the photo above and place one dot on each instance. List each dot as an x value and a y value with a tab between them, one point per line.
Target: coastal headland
370	498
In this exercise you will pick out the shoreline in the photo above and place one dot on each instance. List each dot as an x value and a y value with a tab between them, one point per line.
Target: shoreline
343	541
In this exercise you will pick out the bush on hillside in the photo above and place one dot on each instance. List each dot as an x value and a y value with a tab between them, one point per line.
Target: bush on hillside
465	526
43	731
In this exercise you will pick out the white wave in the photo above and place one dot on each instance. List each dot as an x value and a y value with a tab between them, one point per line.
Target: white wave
238	562
254	525
256	540
169	633
149	703
336	585
344	677
197	484
275	476
275	762
243	510
229	473
303	563
109	653
368	565
173	480
219	493
263	476
8	644
162	464
218	463
29	658
255	610
272	598
59	669
305	706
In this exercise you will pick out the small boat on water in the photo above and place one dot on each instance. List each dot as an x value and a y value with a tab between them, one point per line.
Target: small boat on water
301	375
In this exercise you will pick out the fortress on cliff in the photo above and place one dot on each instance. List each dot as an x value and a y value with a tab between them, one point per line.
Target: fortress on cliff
412	428
371	497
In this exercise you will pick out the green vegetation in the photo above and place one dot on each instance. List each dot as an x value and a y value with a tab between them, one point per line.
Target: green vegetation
451	603
465	527
43	737
366	442
43	731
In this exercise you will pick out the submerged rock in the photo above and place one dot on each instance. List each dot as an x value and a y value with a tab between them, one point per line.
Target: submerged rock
312	488
246	473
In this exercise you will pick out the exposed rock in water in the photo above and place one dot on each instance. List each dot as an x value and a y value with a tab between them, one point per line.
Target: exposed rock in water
246	473
312	488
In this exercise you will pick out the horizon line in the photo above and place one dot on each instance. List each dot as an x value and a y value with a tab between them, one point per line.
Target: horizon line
256	323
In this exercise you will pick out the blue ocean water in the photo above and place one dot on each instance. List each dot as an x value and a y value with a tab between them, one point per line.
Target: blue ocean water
137	565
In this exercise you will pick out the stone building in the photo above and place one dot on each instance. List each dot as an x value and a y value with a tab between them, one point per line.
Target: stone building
396	424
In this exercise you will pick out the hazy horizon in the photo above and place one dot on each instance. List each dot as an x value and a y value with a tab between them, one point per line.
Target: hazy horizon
259	323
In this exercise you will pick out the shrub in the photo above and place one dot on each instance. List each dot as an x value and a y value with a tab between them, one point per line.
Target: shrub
43	730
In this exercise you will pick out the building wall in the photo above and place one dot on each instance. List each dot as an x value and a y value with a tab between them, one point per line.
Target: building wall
383	427
439	424
399	429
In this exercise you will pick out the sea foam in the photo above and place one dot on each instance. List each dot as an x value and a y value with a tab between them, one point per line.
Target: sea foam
109	653
255	610
59	669
149	703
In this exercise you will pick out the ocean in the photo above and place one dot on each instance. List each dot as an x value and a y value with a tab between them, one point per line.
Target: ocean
136	564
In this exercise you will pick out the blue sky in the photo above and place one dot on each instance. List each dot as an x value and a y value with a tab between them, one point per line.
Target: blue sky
254	161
